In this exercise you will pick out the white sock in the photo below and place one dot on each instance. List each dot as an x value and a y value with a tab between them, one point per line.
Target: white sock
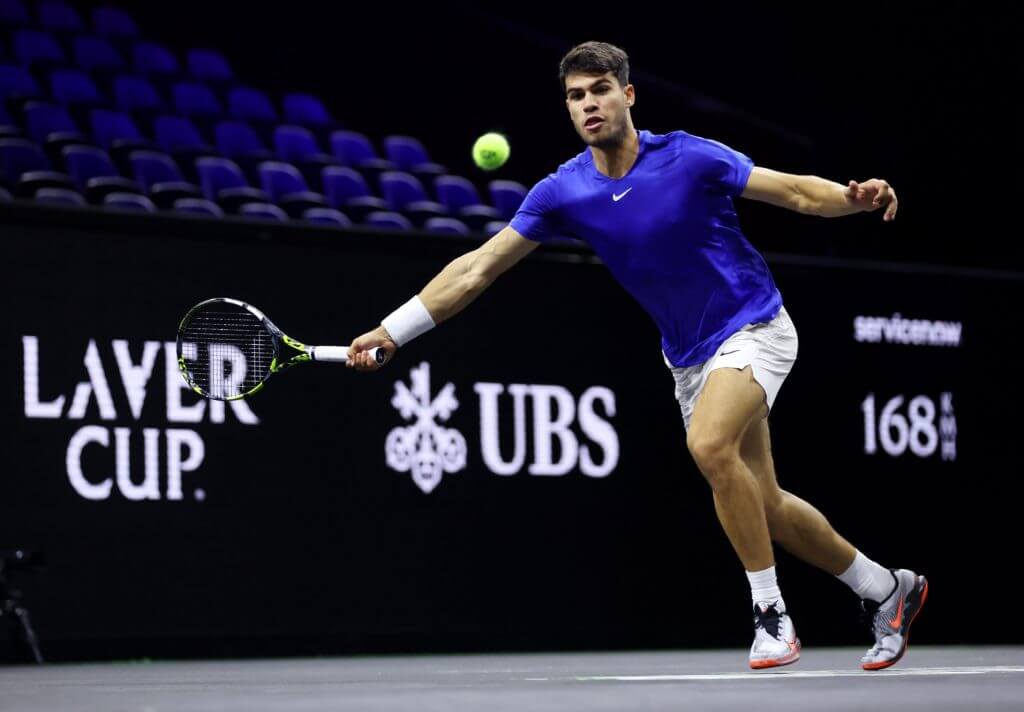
763	586
868	579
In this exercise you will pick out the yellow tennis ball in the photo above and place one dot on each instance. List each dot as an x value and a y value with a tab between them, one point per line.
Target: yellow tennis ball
491	151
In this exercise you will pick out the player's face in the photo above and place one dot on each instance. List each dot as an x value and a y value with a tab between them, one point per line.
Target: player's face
599	107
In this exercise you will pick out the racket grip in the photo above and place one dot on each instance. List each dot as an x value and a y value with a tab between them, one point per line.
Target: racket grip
340	354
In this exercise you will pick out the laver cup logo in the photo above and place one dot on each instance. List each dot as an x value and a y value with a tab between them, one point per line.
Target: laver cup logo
137	463
567	433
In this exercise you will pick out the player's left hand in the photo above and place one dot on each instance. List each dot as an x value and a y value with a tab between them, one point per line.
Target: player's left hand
872	195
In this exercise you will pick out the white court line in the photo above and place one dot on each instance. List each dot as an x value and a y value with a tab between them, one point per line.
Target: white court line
781	675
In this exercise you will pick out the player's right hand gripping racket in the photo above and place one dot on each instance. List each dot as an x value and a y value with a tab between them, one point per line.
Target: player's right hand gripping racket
228	349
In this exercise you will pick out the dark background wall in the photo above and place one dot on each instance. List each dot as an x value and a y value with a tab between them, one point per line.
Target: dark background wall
294	535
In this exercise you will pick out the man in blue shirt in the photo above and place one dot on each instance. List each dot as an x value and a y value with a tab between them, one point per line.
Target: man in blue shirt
658	210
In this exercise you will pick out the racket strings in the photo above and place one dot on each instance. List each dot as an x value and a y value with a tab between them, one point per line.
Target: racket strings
227	353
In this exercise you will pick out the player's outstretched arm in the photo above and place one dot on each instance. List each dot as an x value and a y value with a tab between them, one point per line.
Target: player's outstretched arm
812	195
451	291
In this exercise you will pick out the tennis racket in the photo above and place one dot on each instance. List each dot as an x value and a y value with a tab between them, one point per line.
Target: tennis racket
227	349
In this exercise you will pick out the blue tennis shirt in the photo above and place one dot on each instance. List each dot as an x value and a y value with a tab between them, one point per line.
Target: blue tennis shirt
668	231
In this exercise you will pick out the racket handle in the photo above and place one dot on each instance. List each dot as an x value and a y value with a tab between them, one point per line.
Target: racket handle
340	354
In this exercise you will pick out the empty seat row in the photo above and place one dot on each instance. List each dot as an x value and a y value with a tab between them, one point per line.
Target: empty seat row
386	220
58	16
100	54
187	98
52	124
233	137
24	167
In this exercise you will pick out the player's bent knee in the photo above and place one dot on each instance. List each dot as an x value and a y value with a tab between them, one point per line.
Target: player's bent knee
713	455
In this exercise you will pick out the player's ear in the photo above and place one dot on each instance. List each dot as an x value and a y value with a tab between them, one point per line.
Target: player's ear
630	93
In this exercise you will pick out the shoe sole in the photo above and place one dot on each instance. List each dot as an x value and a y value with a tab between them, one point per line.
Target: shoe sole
881	665
789	659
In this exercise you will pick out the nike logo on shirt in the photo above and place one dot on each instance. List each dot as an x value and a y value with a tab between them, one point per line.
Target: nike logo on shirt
621	195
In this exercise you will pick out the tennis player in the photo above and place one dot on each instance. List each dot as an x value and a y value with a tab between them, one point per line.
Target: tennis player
658	210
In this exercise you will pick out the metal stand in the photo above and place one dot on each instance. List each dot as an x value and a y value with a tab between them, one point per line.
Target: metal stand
11	607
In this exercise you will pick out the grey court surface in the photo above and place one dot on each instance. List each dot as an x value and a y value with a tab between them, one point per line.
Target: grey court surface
970	679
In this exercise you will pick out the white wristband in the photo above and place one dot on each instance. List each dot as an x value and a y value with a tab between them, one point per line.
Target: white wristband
408	321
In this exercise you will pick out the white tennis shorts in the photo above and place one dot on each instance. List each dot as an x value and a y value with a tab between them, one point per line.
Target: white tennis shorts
768	348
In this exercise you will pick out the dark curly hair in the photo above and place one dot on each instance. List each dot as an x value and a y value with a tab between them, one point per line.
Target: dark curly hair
595	58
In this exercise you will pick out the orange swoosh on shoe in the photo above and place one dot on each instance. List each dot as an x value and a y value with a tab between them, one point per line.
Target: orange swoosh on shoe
898	620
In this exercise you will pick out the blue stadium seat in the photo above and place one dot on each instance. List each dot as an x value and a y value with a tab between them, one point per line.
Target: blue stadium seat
17	156
409	155
95	174
208	65
161	178
461	198
346	189
507	196
129	201
174	133
70	86
136	94
251	104
111	128
198	206
153	58
404	193
13	13
24	168
294	143
456	192
35	47
386	220
179	137
239	142
221	180
494	227
476	216
298	145
52	127
196	101
354	149
8	127
96	54
237	138
59	17
446	226
307	110
111	22
16	83
326	216
5	196
116	132
59	196
263	211
43	120
287	187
